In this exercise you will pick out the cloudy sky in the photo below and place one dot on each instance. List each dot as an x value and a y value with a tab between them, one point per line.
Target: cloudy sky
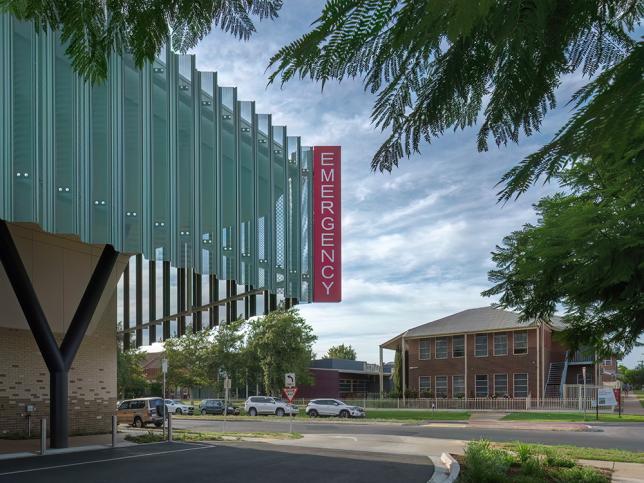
416	242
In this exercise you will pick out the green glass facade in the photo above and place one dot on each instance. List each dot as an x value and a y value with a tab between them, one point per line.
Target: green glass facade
160	162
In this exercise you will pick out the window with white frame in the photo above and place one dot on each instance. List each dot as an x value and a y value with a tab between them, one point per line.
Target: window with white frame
424	352
458	386
500	385
481	385
481	345
608	362
458	346
520	384
441	386
500	344
589	378
441	348
424	384
520	344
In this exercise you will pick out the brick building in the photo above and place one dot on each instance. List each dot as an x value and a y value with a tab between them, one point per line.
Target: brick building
487	352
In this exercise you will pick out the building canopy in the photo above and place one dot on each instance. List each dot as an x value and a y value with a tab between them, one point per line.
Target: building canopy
161	161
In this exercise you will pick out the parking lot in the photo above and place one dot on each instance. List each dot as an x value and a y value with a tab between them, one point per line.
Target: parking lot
234	462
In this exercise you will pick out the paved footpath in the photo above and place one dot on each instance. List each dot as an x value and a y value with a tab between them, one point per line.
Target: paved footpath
632	405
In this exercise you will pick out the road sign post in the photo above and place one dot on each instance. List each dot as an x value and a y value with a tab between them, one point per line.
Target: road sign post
227	385
290	393
289	379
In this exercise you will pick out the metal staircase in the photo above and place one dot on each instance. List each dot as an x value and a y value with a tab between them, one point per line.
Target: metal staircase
556	378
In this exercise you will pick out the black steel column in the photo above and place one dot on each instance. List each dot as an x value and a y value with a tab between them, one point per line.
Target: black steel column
252	303
181	302
214	296
196	301
152	300
267	302
139	299
273	302
166	299
231	306
126	307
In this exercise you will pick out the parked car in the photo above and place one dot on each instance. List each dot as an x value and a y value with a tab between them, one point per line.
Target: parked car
216	406
177	407
333	407
141	411
255	405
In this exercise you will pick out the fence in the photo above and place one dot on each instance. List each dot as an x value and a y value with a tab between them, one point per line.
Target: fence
478	404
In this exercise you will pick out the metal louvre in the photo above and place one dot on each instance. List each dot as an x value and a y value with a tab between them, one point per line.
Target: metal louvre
159	161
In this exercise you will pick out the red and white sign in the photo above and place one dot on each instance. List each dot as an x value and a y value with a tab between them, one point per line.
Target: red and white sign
290	393
327	240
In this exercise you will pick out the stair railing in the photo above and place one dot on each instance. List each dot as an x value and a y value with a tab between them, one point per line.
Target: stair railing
564	374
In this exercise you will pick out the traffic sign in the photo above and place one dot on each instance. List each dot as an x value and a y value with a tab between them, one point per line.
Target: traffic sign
227	383
289	379
164	365
290	393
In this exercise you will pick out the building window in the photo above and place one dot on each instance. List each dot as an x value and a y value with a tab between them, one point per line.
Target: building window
458	386
481	385
589	378
441	348
423	349
608	362
424	384
500	385
500	344
458	346
481	345
441	386
521	385
520	342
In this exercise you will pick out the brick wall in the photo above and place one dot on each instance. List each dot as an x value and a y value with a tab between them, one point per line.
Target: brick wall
24	379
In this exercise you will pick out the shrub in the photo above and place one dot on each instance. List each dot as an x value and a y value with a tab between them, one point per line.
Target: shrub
524	452
580	474
532	466
484	464
554	460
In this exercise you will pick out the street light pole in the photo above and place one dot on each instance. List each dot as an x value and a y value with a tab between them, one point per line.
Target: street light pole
164	369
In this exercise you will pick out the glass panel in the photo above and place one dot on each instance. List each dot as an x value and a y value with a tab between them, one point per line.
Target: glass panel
185	162
521	385
481	345
101	164
500	385
306	233
65	159
160	160
481	386
158	279
228	184
264	212
458	386
208	174
293	286
278	173
458	346
132	157
424	385
441	348
424	352
441	386
520	342
247	193
132	291
23	122
500	344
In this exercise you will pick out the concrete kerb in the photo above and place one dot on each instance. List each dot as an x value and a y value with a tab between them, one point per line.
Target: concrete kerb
446	469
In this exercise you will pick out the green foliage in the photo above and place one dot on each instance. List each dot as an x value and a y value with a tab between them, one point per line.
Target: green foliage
190	359
633	376
485	464
585	254
96	30
558	461
396	376
580	474
443	65
341	352
130	378
524	452
281	342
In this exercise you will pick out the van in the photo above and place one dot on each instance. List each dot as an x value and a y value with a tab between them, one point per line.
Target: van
141	411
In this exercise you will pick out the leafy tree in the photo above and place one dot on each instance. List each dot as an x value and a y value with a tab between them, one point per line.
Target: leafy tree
190	359
96	30
447	65
228	351
130	378
396	376
634	376
281	342
585	254
341	352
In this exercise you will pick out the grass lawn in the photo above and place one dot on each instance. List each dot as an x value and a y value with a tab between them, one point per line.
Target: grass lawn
402	414
574	417
640	396
156	436
576	452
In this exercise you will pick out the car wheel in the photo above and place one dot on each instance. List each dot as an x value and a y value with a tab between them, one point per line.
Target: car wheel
178	411
313	413
138	422
344	413
204	412
252	412
279	412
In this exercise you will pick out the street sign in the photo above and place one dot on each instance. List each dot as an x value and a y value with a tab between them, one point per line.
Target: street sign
227	383
289	379
290	393
164	366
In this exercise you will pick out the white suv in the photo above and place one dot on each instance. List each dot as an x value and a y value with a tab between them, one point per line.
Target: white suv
255	405
333	407
177	407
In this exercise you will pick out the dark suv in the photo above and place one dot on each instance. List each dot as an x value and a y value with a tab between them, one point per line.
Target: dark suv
216	406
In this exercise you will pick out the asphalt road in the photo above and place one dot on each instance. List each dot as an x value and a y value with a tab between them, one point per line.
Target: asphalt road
628	436
236	462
